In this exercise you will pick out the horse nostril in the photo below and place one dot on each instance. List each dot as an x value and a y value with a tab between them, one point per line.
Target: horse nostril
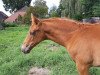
25	52
25	49
27	45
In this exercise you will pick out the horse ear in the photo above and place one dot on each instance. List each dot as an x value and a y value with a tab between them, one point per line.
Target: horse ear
34	19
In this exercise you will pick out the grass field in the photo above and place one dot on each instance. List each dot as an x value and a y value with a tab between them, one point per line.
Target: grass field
47	55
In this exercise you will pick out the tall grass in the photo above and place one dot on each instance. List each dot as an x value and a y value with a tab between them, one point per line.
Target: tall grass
14	62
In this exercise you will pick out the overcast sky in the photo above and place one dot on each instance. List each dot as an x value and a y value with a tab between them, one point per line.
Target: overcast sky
50	3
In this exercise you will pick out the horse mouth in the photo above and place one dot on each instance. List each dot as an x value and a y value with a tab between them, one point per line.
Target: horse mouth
26	50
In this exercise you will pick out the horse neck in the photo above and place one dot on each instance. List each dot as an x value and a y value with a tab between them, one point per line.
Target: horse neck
59	32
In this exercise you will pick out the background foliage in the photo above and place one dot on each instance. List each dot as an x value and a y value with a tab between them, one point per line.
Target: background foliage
79	9
14	5
76	9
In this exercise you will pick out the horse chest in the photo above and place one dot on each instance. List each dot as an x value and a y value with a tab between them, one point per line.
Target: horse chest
80	48
96	56
96	61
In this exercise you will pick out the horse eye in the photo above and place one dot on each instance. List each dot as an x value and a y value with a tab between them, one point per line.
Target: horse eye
32	33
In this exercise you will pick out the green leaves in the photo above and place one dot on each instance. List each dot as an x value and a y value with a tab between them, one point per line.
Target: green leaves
15	5
53	12
96	10
79	9
40	8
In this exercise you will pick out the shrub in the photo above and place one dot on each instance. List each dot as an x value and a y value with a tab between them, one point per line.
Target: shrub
9	24
78	17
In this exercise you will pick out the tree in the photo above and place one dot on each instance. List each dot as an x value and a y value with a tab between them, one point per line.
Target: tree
60	9
79	9
90	7
96	10
53	11
27	17
87	7
69	8
40	8
14	5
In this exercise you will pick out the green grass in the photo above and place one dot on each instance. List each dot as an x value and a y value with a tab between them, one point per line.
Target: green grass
14	62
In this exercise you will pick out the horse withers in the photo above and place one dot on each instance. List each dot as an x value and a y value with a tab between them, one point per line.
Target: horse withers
82	40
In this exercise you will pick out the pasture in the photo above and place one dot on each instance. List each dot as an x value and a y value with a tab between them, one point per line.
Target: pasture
47	55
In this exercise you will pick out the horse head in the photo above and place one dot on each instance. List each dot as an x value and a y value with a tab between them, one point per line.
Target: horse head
35	35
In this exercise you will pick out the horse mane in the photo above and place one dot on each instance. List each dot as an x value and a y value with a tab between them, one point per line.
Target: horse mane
57	19
65	19
81	25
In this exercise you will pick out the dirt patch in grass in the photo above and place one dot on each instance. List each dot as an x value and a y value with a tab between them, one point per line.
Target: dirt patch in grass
39	71
52	47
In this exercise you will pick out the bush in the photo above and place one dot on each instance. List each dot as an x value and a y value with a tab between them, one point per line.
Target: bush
1	27
9	24
78	17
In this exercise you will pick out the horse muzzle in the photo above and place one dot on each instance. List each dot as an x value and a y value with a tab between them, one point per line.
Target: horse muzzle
25	49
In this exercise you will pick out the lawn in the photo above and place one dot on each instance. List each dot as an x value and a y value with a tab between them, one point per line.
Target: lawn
45	55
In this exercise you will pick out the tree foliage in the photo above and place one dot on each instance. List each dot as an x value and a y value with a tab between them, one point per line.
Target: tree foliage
70	8
27	17
79	8
40	8
14	5
96	10
53	11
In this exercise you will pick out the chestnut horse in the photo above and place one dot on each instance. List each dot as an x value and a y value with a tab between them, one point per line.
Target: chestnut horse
82	41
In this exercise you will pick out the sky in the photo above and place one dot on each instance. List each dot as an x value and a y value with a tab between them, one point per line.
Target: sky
50	3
